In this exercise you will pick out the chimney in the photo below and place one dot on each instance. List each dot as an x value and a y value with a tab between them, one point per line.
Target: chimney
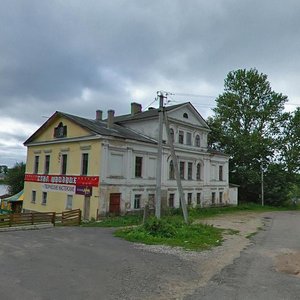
99	115
110	118
135	108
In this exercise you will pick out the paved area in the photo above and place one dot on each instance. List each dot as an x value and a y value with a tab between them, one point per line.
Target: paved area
89	263
264	270
83	263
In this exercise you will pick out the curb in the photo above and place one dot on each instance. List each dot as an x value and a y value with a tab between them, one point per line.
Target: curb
28	227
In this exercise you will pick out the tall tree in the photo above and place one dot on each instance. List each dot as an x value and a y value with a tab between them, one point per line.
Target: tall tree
247	124
15	178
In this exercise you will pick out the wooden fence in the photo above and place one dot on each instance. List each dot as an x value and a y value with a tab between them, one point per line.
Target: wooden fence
71	217
23	219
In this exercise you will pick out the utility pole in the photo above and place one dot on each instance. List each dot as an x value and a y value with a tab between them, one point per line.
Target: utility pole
176	169
262	185
159	156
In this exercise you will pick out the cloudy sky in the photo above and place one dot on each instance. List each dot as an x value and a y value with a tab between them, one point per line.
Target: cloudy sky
79	56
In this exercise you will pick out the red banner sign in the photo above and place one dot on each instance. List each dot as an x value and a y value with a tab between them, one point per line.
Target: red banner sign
64	179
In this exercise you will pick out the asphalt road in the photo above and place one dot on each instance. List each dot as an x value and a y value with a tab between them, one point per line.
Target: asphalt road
82	263
254	274
89	263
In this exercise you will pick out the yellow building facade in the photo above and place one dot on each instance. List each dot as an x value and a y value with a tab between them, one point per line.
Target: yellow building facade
62	169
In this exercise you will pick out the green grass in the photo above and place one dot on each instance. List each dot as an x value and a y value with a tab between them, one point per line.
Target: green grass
200	213
120	221
172	231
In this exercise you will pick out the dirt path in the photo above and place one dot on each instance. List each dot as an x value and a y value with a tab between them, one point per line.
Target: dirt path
208	263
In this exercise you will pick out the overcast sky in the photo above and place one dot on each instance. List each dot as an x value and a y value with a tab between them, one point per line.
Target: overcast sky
79	56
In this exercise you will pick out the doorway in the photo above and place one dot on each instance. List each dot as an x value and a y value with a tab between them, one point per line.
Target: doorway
114	203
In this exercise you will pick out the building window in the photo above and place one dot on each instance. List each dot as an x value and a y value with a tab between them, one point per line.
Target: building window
197	141
171	170
181	169
171	200
221	197
69	202
190	171
44	198
180	137
138	166
172	134
137	201
185	115
220	173
64	158
198	173
198	198
84	163
213	197
33	196
36	164
189	198
188	138
47	164
151	200
60	131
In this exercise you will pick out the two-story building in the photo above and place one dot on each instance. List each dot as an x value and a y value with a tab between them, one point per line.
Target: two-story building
109	166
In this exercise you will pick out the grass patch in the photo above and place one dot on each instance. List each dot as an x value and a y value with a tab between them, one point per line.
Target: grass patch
207	212
120	221
172	231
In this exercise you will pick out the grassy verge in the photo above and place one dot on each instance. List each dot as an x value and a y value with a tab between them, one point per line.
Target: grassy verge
172	231
120	221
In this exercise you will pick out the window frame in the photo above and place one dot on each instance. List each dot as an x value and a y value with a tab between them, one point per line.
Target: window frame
171	200
197	141
221	173
69	204
189	138
138	169
47	164
84	164
44	198
182	169
36	164
190	171
189	199
181	137
33	196
171	171
64	163
137	201
198	201
198	172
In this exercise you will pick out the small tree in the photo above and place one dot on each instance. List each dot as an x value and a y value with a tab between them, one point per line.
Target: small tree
15	178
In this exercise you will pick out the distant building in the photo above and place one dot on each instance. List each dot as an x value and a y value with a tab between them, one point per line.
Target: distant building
109	166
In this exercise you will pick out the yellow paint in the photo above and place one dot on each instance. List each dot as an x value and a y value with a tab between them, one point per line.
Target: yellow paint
56	201
73	130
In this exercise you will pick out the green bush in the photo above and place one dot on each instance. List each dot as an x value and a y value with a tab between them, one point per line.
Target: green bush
159	227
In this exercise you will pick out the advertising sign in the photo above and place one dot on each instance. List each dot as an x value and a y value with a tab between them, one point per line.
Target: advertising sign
64	179
69	189
84	190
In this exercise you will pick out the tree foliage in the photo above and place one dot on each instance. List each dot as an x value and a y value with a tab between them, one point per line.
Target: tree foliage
248	125
15	178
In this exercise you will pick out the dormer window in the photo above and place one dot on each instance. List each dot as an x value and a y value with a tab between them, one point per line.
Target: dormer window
60	131
185	115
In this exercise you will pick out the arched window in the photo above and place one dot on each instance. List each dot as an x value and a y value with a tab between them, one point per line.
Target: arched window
185	115
171	170
197	141
198	172
172	134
